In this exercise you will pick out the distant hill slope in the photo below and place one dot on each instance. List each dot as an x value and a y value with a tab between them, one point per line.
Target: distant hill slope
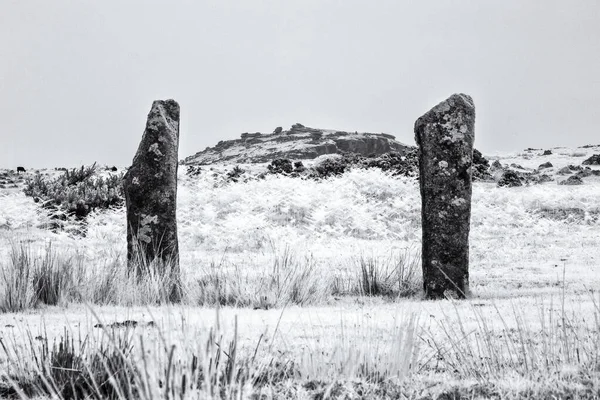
299	142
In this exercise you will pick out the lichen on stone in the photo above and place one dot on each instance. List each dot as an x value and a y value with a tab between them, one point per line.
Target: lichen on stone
154	149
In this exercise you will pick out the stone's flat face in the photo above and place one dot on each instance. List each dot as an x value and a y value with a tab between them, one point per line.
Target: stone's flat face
151	188
445	137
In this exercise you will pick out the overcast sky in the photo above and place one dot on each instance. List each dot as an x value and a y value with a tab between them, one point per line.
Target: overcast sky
77	78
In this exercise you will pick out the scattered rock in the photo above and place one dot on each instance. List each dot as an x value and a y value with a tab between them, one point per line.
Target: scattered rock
572	180
543	178
584	173
509	179
564	171
445	137
547	153
278	130
593	160
496	165
124	324
547	164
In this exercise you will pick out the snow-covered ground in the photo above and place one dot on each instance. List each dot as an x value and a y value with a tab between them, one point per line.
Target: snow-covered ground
530	247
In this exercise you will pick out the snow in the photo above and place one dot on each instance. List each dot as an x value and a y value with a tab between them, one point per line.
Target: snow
528	246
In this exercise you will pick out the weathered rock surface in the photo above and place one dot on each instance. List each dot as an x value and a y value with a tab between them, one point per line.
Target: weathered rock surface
593	160
509	179
496	166
445	138
299	142
572	180
564	171
151	190
547	164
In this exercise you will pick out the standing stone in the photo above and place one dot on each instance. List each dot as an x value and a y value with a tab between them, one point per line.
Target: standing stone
151	192
445	137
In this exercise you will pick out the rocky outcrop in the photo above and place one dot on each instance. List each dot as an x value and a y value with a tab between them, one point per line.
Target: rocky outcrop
150	187
445	138
299	142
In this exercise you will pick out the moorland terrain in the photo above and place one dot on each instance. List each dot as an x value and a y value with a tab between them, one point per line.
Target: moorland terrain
303	281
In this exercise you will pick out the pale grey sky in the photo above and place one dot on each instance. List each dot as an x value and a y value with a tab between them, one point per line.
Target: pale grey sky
77	78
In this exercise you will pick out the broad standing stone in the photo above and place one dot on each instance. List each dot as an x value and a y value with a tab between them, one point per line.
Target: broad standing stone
445	137
151	191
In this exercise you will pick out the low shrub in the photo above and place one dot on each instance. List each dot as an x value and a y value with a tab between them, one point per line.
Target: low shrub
77	192
235	174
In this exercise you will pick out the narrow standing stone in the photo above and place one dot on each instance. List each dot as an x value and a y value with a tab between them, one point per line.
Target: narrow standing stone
151	192
445	138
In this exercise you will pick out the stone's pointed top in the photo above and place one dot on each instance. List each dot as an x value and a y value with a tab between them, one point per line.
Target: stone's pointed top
456	100
458	103
463	98
170	105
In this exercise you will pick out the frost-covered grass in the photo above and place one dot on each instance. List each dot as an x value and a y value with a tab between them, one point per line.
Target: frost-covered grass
295	263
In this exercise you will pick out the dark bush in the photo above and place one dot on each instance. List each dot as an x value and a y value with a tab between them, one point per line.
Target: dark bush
406	164
235	174
193	170
280	166
299	167
77	192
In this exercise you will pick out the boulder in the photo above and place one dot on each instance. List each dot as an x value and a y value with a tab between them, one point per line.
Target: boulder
564	171
547	164
510	179
496	165
445	136
547	153
150	187
543	178
572	180
593	160
584	173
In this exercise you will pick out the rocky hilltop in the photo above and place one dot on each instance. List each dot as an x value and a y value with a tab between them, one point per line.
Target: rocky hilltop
299	142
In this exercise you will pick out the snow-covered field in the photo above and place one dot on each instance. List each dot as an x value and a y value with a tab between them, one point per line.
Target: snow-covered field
534	273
